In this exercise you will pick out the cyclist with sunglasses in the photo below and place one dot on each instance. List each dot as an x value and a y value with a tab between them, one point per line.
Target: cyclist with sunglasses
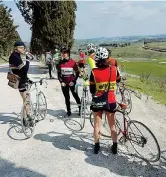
68	74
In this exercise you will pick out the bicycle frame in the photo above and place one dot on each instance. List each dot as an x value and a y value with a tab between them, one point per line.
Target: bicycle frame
140	140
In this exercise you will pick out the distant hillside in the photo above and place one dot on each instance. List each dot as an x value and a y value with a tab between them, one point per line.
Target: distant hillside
122	39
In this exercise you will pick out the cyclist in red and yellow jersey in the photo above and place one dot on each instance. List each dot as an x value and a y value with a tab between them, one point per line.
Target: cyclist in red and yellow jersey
101	76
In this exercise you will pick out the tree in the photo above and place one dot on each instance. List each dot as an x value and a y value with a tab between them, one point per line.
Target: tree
8	33
52	22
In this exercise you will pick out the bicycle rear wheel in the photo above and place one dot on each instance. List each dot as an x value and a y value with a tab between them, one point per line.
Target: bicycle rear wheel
27	125
42	105
143	141
105	130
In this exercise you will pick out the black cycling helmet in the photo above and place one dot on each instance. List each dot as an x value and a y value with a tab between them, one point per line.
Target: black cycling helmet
65	50
19	44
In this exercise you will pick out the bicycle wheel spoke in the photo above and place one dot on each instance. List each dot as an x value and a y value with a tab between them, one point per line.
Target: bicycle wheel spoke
28	125
42	105
143	141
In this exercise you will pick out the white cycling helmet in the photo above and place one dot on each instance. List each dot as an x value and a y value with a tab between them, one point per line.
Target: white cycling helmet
91	47
101	54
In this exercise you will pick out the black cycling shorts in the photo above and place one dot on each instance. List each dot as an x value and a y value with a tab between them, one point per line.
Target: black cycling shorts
111	110
21	86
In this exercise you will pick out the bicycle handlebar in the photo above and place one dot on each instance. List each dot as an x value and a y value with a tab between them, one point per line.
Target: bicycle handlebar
40	81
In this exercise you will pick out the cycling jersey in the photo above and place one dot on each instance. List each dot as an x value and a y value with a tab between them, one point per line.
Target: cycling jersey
67	71
82	55
91	63
99	82
17	67
111	61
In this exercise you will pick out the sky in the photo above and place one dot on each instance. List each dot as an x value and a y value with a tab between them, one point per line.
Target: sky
108	19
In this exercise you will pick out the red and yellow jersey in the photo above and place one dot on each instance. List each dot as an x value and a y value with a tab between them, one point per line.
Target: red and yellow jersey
100	77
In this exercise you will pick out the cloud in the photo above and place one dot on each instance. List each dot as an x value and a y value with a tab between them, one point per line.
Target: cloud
120	18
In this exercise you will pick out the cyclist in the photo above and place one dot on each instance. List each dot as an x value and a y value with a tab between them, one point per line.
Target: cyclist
98	77
82	62
90	61
68	74
17	67
56	59
49	62
113	62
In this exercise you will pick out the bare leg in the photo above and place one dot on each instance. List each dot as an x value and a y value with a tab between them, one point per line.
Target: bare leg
25	98
97	125
112	125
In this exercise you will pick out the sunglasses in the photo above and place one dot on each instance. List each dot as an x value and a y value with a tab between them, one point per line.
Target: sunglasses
64	52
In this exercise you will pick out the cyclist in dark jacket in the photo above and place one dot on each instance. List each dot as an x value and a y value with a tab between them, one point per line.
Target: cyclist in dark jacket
68	74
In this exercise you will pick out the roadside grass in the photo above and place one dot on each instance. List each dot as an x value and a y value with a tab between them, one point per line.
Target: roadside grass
150	88
153	68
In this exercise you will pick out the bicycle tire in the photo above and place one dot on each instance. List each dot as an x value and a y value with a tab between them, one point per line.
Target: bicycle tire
105	133
128	101
82	113
24	128
43	116
156	157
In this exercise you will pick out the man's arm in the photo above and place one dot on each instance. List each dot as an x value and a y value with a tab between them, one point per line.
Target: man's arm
16	61
59	73
92	84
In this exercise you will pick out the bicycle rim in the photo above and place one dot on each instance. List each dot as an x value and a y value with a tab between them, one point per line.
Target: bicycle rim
42	105
143	141
105	130
28	130
82	113
127	100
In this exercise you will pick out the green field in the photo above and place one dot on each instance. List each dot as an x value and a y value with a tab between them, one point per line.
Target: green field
154	68
135	50
157	44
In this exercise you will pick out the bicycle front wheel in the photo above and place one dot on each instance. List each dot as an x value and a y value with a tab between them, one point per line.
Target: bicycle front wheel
126	98
143	141
28	126
42	105
82	112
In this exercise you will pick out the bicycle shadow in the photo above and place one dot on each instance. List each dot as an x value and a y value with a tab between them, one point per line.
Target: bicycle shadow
124	165
15	131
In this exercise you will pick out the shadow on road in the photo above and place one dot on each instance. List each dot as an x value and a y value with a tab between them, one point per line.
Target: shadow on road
120	164
15	131
65	141
10	169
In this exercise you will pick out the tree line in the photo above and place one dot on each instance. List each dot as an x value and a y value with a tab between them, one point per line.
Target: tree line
8	32
52	23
